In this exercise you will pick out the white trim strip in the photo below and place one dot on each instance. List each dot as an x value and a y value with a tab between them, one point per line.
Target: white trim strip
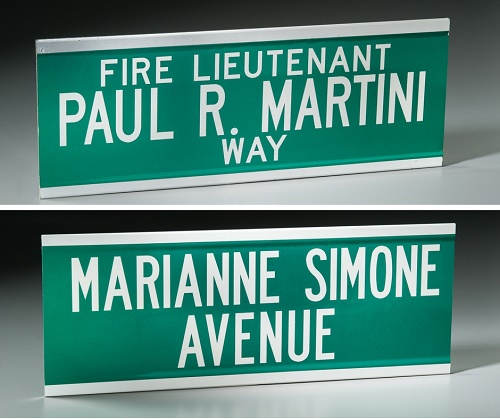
224	179
47	46
245	379
211	236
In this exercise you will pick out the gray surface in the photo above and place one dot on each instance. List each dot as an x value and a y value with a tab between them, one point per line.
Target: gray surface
472	137
470	391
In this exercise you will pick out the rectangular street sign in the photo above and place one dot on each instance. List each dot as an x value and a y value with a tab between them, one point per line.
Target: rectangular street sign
129	113
171	310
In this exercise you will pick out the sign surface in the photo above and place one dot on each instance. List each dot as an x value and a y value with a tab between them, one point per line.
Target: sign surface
150	311
144	112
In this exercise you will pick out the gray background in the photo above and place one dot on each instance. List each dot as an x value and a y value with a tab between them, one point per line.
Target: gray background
470	391
472	165
472	146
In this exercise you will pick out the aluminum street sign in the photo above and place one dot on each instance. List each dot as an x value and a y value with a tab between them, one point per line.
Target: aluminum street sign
151	311
131	113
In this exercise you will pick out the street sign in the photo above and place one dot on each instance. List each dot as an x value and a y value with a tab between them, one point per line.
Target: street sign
131	113
170	310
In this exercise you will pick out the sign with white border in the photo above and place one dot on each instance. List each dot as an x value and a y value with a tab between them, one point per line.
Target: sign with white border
142	112
171	310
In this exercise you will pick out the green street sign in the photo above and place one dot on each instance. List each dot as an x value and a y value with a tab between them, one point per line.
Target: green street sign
142	112
170	310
